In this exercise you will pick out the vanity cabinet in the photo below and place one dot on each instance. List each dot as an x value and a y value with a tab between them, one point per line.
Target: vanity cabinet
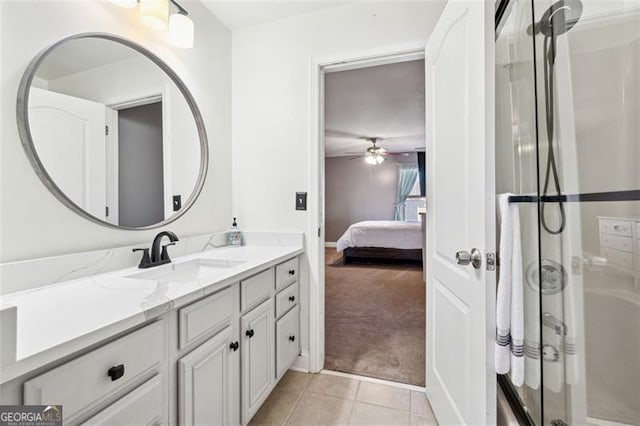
207	380
257	357
214	360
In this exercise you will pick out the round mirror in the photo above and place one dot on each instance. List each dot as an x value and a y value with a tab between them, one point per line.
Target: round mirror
112	131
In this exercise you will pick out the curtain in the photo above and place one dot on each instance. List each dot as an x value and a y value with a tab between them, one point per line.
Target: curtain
407	175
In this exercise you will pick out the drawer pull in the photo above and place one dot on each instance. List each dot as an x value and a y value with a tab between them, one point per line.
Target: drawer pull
234	346
618	227
249	333
116	372
292	338
292	271
292	298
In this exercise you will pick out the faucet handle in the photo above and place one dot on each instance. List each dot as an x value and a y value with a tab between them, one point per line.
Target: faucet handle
165	254
146	260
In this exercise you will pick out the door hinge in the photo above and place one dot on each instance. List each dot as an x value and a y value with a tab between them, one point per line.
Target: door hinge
106	211
319	232
106	130
491	261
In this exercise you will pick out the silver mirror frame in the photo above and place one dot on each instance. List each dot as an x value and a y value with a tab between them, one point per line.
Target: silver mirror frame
22	114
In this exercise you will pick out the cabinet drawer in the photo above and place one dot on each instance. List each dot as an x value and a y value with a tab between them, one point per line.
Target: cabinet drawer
82	382
617	242
143	406
615	227
286	272
618	258
287	341
256	289
204	316
286	299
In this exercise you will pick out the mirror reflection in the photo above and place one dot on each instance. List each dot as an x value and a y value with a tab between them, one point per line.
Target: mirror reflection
114	133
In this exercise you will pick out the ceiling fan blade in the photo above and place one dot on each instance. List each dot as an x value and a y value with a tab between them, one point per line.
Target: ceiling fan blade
340	134
355	157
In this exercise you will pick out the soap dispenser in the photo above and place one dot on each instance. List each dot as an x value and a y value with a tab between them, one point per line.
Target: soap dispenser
234	236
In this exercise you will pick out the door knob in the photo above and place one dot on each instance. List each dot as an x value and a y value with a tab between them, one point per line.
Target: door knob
474	258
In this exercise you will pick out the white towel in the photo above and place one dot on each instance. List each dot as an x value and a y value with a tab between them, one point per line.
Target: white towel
503	302
517	302
509	349
531	300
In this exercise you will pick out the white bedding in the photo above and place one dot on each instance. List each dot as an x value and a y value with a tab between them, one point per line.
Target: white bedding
382	233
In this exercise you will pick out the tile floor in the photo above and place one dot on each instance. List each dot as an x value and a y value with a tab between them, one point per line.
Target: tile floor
314	399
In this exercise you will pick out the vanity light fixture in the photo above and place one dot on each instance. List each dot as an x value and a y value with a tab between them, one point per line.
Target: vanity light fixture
129	4
155	13
181	28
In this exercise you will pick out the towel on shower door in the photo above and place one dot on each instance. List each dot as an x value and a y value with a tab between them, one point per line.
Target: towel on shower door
509	349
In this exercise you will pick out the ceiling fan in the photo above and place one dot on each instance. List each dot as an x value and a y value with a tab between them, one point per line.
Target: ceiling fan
374	154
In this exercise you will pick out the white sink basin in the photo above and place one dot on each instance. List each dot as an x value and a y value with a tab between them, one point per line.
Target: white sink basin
187	271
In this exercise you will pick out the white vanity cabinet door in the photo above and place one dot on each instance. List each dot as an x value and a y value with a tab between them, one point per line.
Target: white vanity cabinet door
143	406
287	340
207	383
257	346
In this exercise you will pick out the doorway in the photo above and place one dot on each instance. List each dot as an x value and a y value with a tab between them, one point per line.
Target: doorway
373	142
140	159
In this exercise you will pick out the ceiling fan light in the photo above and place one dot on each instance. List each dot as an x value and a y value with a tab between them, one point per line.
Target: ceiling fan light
371	159
379	159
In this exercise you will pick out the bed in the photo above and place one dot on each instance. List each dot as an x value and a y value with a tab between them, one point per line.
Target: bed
376	240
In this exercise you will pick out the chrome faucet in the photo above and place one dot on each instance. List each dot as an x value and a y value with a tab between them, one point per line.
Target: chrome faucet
157	257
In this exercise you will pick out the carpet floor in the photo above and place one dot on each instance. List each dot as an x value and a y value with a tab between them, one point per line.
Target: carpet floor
375	320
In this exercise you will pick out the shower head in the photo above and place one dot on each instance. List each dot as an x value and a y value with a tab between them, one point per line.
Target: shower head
559	18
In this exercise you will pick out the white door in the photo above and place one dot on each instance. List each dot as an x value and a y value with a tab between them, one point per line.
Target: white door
461	383
207	382
258	365
69	137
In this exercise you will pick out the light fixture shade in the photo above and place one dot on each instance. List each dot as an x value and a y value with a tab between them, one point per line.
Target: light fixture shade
155	13
181	30
129	4
370	159
379	159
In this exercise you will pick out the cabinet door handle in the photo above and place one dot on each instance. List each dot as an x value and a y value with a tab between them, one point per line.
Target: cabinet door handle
292	298
292	271
292	338
116	372
249	333
234	346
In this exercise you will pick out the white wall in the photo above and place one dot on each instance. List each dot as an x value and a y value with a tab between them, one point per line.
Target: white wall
271	108
357	191
34	223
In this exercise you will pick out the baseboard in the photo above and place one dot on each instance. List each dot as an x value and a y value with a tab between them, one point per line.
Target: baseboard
302	363
373	380
330	244
602	422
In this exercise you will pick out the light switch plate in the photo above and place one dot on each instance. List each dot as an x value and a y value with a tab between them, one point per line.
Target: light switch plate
301	200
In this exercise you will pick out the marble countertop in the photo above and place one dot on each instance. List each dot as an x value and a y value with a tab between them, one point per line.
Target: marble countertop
56	320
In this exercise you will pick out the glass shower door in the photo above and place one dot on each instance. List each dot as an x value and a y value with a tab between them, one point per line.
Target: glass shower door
587	57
